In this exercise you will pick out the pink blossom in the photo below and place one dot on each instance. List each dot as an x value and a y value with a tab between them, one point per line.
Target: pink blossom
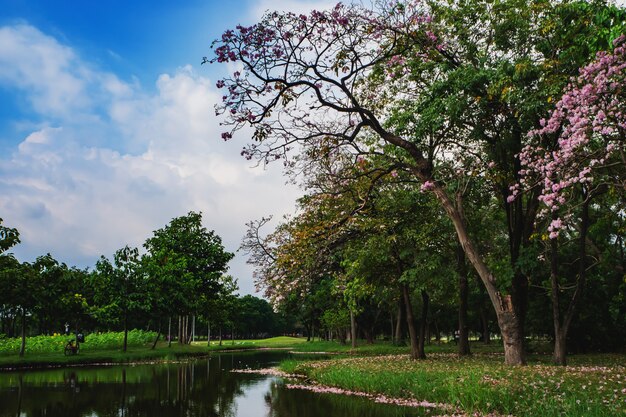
427	186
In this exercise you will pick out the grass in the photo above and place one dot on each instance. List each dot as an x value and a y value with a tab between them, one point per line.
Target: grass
46	351
272	342
593	385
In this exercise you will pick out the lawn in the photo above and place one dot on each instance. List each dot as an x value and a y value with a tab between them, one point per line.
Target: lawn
592	385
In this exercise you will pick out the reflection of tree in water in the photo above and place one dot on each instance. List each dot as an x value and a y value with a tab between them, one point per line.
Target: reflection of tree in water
284	402
198	388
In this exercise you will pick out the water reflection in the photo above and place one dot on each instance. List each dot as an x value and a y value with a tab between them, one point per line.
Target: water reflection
194	388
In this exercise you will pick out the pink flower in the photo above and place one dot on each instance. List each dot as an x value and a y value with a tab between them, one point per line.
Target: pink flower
427	186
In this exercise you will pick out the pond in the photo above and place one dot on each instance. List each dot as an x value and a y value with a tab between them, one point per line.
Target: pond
198	387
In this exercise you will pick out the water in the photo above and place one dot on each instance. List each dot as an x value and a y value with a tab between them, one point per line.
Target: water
202	387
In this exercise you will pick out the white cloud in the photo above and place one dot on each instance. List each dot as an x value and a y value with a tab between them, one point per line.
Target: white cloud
294	6
113	163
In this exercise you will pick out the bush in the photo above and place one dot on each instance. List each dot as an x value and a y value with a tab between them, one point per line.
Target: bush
94	341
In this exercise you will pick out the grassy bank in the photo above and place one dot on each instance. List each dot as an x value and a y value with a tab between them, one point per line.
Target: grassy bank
47	351
593	385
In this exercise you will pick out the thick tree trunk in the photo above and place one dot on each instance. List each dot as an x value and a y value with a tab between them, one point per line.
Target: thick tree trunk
423	325
352	329
509	322
464	347
560	349
23	343
410	321
512	337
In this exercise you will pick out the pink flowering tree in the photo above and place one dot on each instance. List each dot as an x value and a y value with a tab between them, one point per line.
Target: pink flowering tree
336	79
589	122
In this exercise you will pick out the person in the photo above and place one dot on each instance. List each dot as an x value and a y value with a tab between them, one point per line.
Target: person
67	328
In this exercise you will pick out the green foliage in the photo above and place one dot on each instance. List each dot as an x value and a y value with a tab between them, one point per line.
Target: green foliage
93	341
9	237
186	261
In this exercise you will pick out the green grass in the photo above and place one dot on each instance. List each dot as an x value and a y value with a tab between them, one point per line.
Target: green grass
272	342
593	385
133	354
46	351
93	341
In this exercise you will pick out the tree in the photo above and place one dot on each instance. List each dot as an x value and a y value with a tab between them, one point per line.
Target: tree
217	307
332	79
589	156
188	261
120	288
9	237
20	291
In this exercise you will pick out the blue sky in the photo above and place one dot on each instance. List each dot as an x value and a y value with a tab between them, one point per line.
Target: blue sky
107	126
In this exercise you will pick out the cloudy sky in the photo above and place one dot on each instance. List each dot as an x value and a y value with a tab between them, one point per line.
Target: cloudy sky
108	129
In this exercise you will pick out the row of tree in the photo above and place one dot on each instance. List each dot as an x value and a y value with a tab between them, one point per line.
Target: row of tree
181	276
453	152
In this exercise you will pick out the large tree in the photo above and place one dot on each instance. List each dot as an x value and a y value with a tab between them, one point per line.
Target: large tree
475	75
188	261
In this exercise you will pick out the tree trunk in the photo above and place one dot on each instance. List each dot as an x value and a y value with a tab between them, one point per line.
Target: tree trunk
193	329
125	332
220	335
464	347
559	357
208	333
232	334
169	331
562	327
410	321
423	324
23	344
352	329
398	337
560	349
180	329
485	326
509	322
156	339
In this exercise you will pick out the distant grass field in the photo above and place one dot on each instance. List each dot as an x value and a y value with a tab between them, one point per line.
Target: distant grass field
272	342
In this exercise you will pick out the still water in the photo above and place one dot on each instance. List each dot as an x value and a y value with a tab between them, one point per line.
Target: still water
201	387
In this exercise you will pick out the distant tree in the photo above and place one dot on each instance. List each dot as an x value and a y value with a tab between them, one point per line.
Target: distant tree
187	263
120	288
20	292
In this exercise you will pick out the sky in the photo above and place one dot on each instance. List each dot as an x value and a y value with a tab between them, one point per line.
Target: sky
108	128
